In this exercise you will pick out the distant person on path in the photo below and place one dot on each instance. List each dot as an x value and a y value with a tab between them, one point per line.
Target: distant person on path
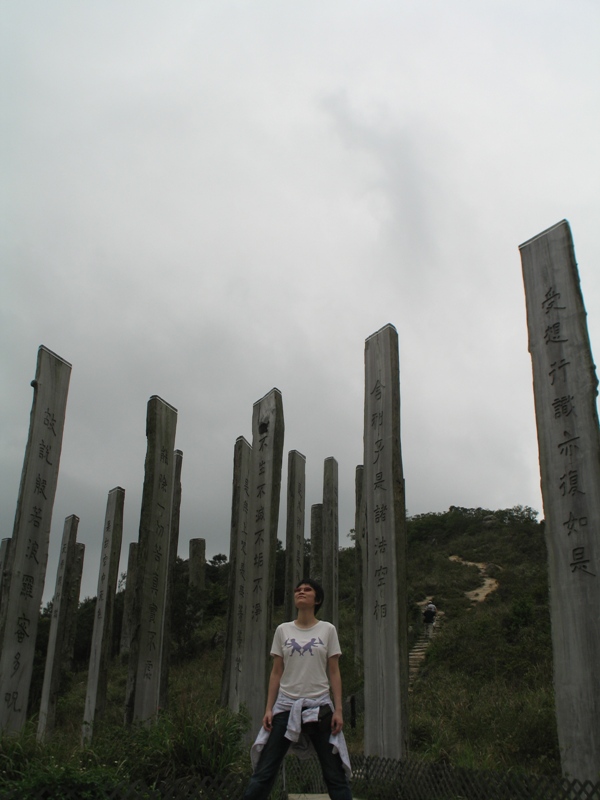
429	614
299	706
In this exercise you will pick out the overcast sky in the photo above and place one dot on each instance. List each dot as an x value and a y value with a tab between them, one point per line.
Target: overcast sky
204	200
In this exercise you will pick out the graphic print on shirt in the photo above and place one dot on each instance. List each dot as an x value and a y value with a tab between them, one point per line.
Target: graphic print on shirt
302	649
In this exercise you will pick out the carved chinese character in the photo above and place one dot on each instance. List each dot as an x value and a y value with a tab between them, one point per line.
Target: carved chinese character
569	483
44	450
574	522
32	549
22	626
16	664
552	334
551	300
50	420
378	389
35	517
380	512
10	701
40	487
556	365
563	407
27	586
378	448
579	563
379	481
568	447
380	575
380	610
164	455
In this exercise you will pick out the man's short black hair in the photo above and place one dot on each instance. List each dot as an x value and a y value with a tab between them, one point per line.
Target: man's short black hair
319	593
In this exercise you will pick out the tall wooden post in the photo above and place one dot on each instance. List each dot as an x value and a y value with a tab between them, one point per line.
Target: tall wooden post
145	660
265	490
239	588
331	539
294	534
108	574
24	577
316	542
384	558
565	389
58	628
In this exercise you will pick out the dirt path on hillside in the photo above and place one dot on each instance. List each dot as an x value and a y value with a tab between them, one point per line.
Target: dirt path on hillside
488	586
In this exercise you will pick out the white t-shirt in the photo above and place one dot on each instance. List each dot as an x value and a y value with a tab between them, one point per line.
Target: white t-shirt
305	652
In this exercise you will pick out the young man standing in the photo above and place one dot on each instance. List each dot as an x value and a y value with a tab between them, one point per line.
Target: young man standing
299	706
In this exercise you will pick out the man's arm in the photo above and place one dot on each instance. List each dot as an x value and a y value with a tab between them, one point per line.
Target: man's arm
273	691
335	680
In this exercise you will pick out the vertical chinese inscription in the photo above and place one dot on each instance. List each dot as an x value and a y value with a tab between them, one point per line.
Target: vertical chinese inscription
384	557
263	517
25	571
565	390
294	535
235	645
59	631
143	686
331	537
108	573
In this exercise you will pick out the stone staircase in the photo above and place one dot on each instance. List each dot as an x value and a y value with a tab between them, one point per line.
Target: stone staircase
417	654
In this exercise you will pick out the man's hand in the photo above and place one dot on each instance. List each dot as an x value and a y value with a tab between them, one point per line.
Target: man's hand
268	721
337	722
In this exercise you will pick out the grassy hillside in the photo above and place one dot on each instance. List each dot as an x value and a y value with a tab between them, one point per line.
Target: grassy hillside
483	697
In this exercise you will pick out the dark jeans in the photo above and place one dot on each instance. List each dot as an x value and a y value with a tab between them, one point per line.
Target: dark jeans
277	746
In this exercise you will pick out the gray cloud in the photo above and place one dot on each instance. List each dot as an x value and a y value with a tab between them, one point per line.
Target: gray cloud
206	201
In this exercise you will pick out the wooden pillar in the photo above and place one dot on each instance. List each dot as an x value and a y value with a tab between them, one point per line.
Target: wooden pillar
239	588
294	535
565	390
23	583
58	628
384	558
329	611
145	661
108	574
265	490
